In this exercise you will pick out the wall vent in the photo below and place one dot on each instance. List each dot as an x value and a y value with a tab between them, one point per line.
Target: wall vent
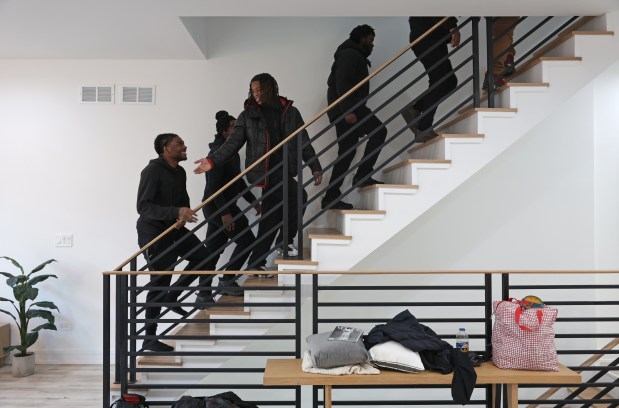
139	94
97	94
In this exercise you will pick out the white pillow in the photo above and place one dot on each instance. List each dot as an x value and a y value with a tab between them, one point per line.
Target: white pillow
395	356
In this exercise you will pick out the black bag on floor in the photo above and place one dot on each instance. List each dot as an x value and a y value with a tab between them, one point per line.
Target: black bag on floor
130	401
189	402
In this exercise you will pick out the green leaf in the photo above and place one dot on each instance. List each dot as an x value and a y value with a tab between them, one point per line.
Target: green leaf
45	326
9	313
8	275
31	338
25	293
6	300
10	348
43	314
14	262
12	281
43	265
48	305
40	278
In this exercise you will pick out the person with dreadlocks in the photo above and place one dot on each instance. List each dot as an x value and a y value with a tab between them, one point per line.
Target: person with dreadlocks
350	66
163	202
267	119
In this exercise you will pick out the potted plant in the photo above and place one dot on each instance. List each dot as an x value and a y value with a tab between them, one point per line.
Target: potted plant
24	291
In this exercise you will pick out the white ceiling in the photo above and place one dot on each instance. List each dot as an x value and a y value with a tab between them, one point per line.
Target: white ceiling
153	29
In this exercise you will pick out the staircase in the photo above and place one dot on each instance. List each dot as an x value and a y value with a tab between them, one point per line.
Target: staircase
474	138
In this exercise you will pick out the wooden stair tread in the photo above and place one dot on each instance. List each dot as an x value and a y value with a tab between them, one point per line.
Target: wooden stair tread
306	261
446	136
256	281
573	33
166	361
590	393
413	161
396	186
326	233
471	112
484	98
370	212
229	310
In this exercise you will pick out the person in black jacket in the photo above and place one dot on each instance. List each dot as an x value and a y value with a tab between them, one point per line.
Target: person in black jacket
226	202
163	202
267	120
431	50
349	68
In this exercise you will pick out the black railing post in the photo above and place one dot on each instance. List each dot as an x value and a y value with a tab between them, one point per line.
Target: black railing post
132	327
118	331
106	340
504	296
489	62
476	58
285	206
315	328
300	201
122	345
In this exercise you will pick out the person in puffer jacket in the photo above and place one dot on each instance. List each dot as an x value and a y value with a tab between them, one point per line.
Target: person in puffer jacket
268	119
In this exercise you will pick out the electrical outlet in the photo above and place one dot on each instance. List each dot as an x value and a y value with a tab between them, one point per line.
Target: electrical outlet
64	240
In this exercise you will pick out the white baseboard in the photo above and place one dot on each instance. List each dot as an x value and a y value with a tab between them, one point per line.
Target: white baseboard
68	357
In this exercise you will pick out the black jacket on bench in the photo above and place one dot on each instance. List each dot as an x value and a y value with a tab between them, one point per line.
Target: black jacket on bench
436	354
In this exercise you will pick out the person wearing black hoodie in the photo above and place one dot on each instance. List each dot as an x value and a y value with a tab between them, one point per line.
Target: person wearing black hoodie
163	202
268	119
432	50
349	68
225	203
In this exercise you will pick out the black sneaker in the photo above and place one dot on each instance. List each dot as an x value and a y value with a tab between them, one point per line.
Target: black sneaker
230	288
156	345
204	301
169	298
368	182
338	205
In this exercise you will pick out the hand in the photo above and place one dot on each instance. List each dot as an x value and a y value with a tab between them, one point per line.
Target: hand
258	207
455	38
226	219
179	224
187	215
317	177
205	165
351	119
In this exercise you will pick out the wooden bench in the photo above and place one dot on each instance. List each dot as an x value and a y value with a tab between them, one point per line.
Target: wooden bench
288	372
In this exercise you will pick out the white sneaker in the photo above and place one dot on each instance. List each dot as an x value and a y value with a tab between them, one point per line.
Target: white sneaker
292	250
263	275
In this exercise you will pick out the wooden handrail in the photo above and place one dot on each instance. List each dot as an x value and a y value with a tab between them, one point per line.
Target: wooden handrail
293	134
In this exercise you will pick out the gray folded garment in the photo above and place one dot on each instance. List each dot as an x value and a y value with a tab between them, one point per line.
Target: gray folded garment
335	353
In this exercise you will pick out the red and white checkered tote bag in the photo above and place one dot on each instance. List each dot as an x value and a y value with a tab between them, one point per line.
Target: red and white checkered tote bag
523	338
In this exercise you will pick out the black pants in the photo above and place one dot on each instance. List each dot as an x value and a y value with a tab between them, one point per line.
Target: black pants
165	264
215	241
350	140
275	198
443	69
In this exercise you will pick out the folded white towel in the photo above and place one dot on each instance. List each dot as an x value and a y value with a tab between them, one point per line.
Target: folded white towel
363	368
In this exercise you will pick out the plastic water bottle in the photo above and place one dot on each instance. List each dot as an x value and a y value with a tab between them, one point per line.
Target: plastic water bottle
462	340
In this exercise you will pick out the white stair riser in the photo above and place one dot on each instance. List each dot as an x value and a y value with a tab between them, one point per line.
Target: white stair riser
442	149
374	199
412	174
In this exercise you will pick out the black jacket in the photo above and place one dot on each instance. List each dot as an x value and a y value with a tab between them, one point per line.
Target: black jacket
161	193
349	68
436	354
251	128
419	25
220	176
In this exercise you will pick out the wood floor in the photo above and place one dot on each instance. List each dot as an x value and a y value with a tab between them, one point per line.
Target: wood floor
53	386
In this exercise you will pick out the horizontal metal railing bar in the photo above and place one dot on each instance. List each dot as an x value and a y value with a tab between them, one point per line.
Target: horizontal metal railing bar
212	337
587	319
587	351
216	305
258	403
586	335
375	304
583	385
594	368
378	320
173	370
246	321
257	288
387	272
564	287
215	353
208	386
404	402
579	402
345	288
582	303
